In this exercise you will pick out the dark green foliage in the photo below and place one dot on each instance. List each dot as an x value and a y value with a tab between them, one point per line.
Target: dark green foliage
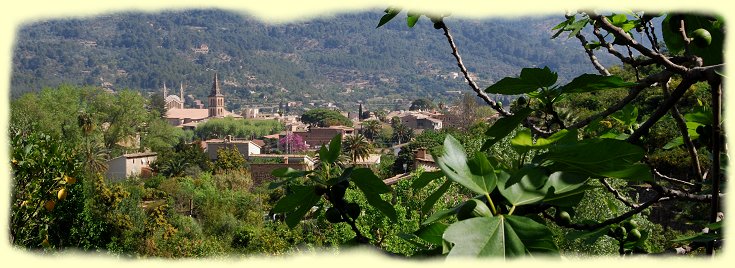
237	128
182	158
422	104
502	236
530	80
710	49
503	127
321	117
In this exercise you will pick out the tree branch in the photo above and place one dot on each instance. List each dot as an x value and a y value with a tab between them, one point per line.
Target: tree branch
635	66
689	78
651	34
470	81
614	220
681	124
627	39
715	83
662	109
477	89
679	195
670	179
617	194
601	69
610	48
635	90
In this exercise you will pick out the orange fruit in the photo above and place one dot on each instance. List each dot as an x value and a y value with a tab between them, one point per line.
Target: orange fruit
49	205
69	180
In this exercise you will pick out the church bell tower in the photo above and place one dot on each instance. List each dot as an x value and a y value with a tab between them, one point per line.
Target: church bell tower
216	100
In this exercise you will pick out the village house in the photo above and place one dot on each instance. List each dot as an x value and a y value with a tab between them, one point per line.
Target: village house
315	137
128	165
247	148
424	160
421	120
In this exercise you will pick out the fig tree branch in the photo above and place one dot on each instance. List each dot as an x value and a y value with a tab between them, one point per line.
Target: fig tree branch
663	108
477	89
614	220
632	94
610	48
681	124
617	194
715	83
627	39
680	195
601	69
470	81
692	76
670	179
650	32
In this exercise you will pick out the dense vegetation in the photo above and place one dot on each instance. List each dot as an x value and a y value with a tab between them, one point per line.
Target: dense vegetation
228	126
321	117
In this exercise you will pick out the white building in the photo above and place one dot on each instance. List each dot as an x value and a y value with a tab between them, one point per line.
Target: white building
129	165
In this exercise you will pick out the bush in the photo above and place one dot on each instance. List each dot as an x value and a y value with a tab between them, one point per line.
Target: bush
242	238
234	179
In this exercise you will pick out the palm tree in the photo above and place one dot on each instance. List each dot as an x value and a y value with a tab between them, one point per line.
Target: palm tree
370	128
402	133
357	147
95	156
94	153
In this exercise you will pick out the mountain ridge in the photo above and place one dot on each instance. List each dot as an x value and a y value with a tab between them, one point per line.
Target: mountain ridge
342	58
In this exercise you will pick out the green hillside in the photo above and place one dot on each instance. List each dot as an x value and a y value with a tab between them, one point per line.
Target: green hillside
339	59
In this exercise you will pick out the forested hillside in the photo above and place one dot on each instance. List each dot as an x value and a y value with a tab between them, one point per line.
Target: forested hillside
270	63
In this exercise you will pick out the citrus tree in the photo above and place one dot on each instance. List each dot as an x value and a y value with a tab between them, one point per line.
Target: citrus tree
46	197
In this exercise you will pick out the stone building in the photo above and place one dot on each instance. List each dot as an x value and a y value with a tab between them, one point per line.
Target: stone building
315	137
129	165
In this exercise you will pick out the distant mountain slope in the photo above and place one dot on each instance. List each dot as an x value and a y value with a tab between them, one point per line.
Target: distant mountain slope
342	58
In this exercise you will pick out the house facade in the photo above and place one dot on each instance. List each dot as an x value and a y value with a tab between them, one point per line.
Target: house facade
129	165
315	137
247	148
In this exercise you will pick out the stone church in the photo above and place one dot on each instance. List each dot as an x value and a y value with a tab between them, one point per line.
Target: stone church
179	116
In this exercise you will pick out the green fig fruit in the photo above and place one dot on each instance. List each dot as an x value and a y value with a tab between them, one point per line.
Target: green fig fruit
634	235
563	218
701	38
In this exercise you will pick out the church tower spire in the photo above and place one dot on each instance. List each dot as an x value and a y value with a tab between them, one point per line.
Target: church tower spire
165	91
216	99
